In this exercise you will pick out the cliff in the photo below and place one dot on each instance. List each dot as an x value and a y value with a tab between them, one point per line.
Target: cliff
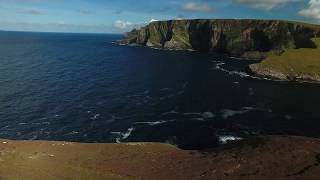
242	38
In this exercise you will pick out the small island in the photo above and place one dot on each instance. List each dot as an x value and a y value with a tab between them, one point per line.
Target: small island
289	50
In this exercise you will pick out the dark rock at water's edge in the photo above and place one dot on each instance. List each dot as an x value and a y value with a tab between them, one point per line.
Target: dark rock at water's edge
252	39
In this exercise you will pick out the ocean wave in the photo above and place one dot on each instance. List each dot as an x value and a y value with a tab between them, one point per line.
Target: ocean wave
198	119
224	139
124	135
170	112
156	122
205	115
238	58
72	133
227	113
219	64
96	116
151	123
41	123
166	49
192	113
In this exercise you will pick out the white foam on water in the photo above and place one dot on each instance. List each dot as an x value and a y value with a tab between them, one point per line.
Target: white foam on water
249	108
215	61
192	113
170	112
41	123
151	123
203	115
219	64
237	58
226	113
198	119
73	133
227	138
207	115
166	49
156	122
115	133
123	136
128	133
96	116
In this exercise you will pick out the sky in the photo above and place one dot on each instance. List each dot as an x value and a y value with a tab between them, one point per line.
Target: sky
118	16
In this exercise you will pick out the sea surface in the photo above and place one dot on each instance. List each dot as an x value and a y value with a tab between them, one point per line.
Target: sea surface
84	88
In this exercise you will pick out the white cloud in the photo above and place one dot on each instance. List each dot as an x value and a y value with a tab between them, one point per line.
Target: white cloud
119	24
153	20
196	7
265	4
313	11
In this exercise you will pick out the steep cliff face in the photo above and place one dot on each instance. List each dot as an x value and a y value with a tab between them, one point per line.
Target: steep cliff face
249	38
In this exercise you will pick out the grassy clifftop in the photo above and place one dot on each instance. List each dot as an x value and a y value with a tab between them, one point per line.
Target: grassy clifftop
247	38
293	64
270	157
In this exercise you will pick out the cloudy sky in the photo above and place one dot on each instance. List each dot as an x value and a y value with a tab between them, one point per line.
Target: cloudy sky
116	16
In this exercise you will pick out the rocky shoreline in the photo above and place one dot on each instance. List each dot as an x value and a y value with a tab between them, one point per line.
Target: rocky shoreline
257	70
268	157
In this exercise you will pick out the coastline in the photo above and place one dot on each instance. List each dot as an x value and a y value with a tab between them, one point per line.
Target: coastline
277	157
276	75
253	74
268	75
267	40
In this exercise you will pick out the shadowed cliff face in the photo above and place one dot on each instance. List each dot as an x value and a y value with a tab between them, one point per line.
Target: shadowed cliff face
246	38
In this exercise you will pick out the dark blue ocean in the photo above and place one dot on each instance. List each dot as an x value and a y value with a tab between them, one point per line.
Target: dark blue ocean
84	88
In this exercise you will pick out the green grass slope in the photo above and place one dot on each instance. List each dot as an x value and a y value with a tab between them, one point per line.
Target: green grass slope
293	64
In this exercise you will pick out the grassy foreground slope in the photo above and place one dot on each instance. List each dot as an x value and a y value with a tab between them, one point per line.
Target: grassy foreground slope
271	157
293	64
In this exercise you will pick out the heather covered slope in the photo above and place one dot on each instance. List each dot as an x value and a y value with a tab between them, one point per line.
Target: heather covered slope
271	157
243	38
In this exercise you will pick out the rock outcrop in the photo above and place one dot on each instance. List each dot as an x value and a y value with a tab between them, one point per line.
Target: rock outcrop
242	38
